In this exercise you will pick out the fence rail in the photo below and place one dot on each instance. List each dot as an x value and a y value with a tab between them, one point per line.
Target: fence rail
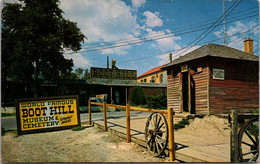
169	113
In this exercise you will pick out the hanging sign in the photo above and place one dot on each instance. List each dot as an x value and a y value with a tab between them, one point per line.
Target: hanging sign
47	114
113	73
219	74
184	68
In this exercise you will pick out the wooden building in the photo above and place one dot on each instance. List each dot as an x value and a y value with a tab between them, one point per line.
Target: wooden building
212	80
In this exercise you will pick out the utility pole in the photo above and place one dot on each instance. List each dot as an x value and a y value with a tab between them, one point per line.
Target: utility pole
225	26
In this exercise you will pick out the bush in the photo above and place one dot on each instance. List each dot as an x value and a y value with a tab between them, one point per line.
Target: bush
157	102
181	124
3	131
137	97
78	128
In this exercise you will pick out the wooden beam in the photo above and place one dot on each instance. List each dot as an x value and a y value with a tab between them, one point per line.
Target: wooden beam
189	88
89	113
171	134
181	93
105	115
208	87
128	133
148	110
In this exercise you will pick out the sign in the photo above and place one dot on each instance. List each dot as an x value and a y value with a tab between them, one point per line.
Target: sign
219	74
113	73
47	114
184	68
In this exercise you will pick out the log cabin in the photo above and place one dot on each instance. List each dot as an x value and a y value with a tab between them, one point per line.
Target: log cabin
213	79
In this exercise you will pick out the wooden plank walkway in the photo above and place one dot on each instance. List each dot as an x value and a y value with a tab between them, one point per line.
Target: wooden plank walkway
195	150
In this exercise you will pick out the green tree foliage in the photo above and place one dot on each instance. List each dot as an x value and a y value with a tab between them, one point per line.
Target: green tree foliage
79	72
137	97
157	102
34	37
86	75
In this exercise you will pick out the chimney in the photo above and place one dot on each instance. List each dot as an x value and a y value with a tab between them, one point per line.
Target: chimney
170	57
114	64
248	45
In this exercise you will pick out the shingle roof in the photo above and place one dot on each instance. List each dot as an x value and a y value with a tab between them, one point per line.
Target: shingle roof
156	69
215	51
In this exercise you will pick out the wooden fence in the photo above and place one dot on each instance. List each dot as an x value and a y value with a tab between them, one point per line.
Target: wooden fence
170	114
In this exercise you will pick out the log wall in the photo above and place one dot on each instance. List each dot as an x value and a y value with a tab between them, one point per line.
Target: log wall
201	81
173	96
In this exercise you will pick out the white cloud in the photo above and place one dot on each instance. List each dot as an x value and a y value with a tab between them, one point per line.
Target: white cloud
240	31
138	3
164	58
78	59
152	19
118	50
101	20
164	44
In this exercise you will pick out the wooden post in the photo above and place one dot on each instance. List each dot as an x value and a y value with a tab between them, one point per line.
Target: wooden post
105	115
234	136
171	135
128	135
189	89
89	112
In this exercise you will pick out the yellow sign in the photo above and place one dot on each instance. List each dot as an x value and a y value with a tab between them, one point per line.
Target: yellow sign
36	115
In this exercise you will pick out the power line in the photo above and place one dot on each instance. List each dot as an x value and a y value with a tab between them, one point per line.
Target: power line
164	53
167	36
181	27
201	35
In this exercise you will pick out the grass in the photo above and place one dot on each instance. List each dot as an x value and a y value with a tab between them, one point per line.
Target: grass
181	124
78	128
8	114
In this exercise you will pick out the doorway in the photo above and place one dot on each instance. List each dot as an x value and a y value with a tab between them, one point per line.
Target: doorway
188	93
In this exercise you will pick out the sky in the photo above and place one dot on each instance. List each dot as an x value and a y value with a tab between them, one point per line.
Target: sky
140	34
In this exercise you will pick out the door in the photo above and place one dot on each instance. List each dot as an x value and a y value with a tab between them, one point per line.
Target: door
185	91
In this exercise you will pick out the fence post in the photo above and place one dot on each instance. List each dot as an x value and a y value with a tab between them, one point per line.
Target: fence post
171	134
89	112
128	135
234	136
105	115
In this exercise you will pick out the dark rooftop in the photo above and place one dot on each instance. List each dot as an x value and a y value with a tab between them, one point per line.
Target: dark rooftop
215	51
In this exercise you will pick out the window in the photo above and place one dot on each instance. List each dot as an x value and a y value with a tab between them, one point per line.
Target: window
144	80
161	78
152	80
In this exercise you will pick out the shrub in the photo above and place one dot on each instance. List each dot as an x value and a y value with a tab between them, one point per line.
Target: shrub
137	97
3	131
157	102
78	128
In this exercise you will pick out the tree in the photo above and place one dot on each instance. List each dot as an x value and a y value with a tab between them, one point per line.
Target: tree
137	97
79	72
86	75
34	38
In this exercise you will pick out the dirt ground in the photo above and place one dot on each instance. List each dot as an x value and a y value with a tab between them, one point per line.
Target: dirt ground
88	145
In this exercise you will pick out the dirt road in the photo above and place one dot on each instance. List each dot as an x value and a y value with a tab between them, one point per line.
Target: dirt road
88	145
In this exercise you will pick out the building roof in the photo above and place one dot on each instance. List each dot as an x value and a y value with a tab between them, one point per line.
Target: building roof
215	51
154	70
123	83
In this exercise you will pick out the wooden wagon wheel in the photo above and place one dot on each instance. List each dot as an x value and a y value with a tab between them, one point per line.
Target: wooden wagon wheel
156	133
248	141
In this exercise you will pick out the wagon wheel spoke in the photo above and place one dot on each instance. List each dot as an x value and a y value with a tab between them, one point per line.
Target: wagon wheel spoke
251	138
253	151
254	158
248	144
155	123
159	142
157	146
160	126
158	122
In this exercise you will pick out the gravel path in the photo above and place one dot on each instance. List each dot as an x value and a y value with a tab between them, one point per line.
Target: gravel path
88	145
